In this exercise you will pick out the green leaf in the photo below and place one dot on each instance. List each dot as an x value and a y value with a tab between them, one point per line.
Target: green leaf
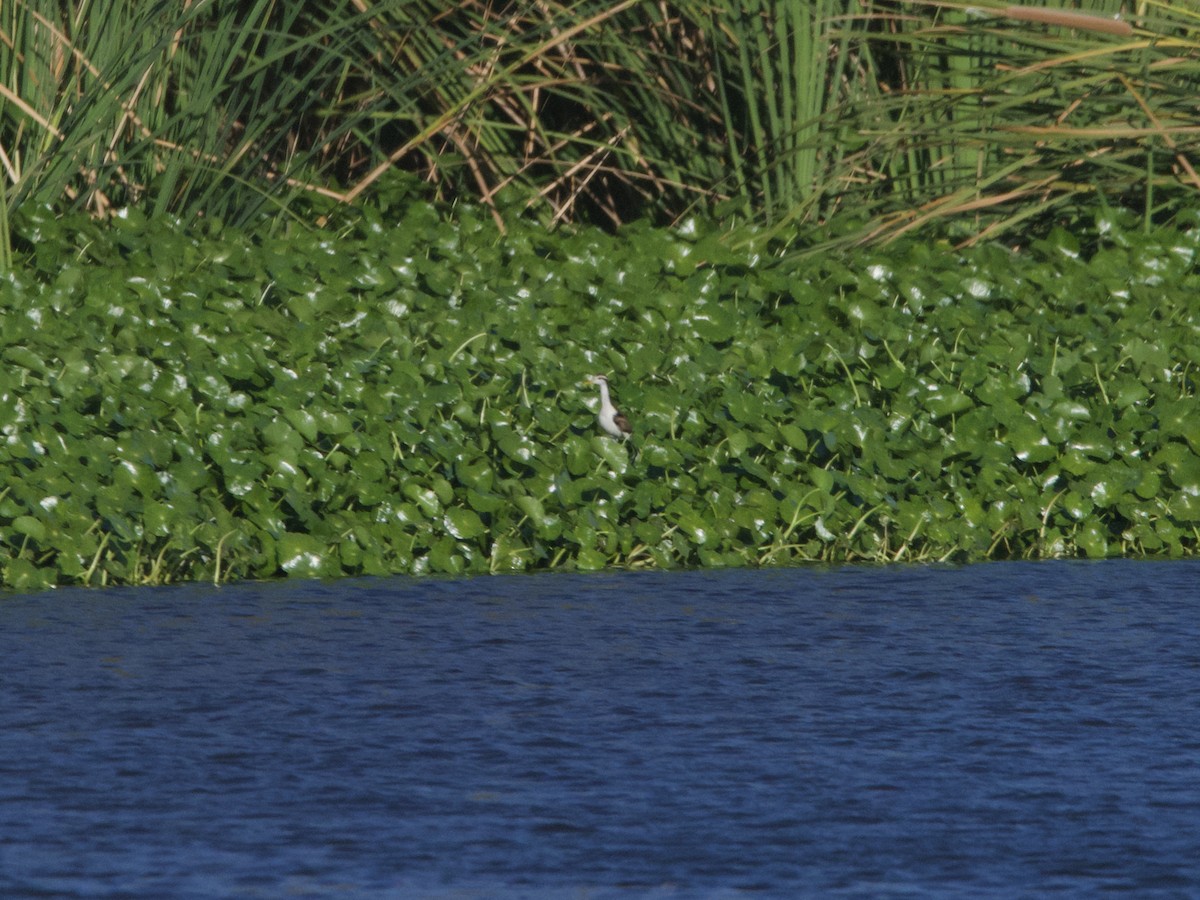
614	453
303	421
444	559
22	575
590	560
30	527
692	524
425	498
1029	441
1093	540
739	442
794	437
303	556
947	401
464	524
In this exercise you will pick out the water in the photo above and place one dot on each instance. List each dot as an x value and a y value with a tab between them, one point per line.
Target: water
995	731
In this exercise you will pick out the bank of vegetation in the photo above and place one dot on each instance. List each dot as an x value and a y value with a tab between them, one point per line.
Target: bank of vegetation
311	288
407	398
984	117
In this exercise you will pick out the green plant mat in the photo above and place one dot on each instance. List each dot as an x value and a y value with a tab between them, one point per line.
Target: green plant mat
405	395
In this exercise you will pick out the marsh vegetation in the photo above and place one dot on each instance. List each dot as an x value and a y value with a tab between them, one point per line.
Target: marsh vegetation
313	288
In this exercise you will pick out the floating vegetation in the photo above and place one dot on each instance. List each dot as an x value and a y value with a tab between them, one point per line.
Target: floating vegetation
407	397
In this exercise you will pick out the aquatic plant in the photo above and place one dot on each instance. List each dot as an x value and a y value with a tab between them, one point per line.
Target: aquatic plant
403	395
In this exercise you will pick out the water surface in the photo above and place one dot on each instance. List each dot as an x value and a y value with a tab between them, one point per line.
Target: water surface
992	731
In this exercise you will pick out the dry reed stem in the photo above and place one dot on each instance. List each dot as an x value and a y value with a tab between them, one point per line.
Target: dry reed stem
1069	19
450	115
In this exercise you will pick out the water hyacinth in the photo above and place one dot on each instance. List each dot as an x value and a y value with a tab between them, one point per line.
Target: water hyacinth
211	404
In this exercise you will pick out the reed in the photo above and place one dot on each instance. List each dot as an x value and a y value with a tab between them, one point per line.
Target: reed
1001	114
873	117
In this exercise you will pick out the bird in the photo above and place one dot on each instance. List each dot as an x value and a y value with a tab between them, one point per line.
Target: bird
610	418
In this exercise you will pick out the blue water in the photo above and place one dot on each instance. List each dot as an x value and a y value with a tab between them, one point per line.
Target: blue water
1007	730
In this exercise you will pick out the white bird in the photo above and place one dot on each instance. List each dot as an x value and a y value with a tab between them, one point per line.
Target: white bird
610	418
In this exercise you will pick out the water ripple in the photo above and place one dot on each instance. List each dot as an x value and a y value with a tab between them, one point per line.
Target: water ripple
1009	729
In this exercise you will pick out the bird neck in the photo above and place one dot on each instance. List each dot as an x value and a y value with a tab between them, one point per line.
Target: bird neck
604	399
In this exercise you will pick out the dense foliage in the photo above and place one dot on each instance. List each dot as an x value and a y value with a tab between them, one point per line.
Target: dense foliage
405	395
993	115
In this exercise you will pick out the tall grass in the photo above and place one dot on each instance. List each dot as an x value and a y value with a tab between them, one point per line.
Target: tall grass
1003	114
189	107
885	114
790	58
